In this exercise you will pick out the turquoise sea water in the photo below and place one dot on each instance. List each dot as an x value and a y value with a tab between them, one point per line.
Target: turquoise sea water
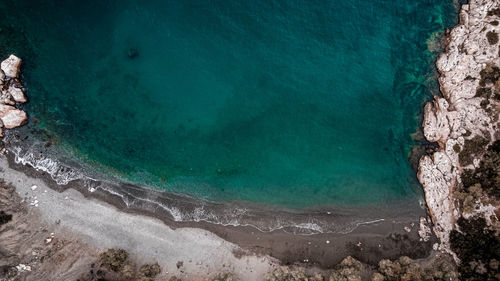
293	103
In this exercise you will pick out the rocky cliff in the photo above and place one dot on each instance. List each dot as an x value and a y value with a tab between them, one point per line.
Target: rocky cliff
464	121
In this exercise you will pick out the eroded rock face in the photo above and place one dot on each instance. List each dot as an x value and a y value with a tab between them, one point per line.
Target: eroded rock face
469	108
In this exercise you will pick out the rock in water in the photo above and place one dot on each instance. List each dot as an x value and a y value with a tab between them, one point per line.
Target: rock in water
12	117
17	94
11	66
133	53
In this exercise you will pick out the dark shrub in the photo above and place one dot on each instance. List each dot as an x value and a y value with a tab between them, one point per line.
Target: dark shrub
148	272
492	37
4	217
483	92
478	249
489	75
488	172
472	147
113	259
494	12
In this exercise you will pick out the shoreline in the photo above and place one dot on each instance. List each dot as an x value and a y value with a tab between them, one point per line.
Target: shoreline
179	208
98	226
385	239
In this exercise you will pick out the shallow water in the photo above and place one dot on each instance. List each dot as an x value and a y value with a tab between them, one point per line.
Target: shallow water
293	103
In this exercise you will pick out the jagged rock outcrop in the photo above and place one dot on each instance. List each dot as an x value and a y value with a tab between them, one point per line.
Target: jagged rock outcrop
11	93
469	108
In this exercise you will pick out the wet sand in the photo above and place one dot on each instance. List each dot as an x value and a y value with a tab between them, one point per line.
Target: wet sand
368	243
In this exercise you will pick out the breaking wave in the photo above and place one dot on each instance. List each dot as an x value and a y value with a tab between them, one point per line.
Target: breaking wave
68	172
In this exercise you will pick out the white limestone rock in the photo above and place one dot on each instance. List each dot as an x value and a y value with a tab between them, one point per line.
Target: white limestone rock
17	94
436	126
12	117
11	66
437	177
6	98
448	119
424	231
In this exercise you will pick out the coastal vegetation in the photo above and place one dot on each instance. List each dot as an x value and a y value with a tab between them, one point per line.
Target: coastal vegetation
476	241
477	245
492	37
487	175
114	264
442	268
4	217
472	148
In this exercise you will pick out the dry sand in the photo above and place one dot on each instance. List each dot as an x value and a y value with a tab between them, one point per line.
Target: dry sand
99	226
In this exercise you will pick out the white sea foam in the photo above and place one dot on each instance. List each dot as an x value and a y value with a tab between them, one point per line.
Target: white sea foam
61	174
197	211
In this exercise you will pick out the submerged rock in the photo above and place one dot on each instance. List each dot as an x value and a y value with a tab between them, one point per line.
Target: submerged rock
11	66
133	53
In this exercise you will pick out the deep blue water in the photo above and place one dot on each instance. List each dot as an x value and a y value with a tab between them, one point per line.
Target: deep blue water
294	103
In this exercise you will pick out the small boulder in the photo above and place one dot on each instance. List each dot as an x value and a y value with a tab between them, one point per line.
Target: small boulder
11	66
12	117
17	94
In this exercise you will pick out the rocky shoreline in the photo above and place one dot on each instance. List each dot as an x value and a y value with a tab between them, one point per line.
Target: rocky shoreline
11	94
464	121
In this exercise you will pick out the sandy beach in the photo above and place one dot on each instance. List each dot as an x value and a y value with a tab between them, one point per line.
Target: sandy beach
203	249
100	226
